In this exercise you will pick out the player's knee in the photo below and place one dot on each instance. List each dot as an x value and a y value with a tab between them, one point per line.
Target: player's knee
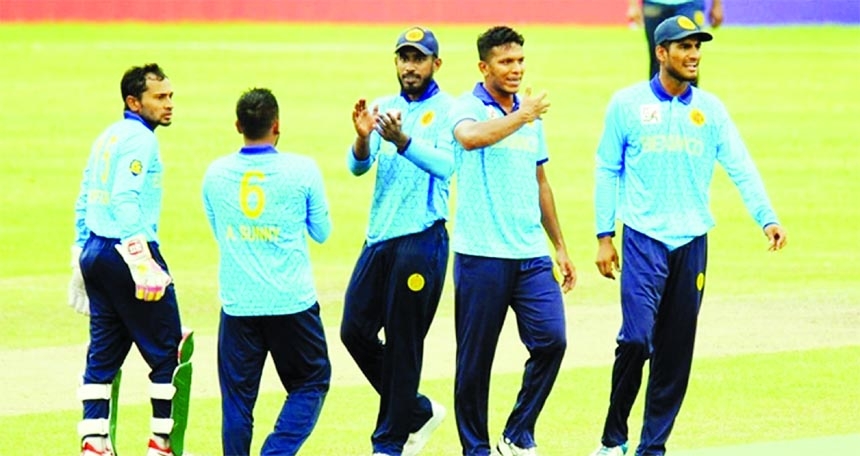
639	347
552	343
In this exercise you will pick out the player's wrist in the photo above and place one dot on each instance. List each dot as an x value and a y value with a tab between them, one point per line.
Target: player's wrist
403	145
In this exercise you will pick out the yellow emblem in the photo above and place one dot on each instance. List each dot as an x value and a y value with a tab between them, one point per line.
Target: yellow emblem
415	282
415	34
698	117
699	17
136	167
700	281
685	23
427	118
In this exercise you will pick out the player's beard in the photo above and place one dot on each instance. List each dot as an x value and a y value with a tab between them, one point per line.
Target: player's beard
415	90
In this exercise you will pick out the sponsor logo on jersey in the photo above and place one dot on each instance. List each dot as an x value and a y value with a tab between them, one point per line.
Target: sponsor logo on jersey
649	114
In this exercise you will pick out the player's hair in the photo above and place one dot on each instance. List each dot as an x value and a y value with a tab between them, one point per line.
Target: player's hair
256	112
497	36
134	80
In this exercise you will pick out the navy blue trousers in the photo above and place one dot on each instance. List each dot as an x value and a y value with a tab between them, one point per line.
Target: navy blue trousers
300	354
484	289
655	13
118	319
396	286
661	293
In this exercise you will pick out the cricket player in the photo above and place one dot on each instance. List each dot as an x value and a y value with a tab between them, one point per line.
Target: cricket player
120	278
505	210
397	281
660	143
261	205
650	13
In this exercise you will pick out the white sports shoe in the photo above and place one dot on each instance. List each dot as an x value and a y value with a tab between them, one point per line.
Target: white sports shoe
419	438
158	447
507	448
96	446
619	450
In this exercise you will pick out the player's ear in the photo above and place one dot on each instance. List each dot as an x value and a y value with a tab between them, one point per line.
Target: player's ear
437	62
276	127
132	103
661	52
483	68
239	127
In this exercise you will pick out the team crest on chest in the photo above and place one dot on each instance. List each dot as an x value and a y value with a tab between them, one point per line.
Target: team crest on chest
697	117
492	113
427	118
649	114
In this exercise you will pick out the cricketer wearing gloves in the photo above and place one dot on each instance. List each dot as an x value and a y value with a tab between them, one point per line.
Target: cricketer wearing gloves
261	205
119	276
397	281
655	161
505	206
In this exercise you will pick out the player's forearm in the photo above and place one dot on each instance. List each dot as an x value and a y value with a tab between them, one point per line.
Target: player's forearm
549	217
357	167
436	161
475	135
605	200
361	148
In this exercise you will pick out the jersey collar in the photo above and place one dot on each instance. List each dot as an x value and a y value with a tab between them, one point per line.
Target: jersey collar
135	116
662	95
432	89
258	149
482	94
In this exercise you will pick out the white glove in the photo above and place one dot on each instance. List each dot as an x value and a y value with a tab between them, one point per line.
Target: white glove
149	279
78	299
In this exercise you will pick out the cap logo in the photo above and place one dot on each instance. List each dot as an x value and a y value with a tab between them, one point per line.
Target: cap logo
414	35
685	23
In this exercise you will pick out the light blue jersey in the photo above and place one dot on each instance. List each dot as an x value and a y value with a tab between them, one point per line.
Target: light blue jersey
411	191
261	204
656	159
120	194
498	211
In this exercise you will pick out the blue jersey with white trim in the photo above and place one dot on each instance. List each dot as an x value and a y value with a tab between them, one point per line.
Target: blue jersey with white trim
655	162
498	210
261	205
411	190
121	190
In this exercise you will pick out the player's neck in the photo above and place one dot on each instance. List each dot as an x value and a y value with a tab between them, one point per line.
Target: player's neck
504	99
672	85
268	140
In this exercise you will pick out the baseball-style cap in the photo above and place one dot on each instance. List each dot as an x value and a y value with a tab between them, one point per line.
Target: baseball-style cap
419	38
677	28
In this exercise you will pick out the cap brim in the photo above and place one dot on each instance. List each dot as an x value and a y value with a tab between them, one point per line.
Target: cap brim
421	48
700	35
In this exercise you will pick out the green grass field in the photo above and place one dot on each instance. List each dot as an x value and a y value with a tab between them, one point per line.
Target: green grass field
779	348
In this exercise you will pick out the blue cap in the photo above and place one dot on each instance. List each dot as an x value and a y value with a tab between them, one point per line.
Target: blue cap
419	38
677	28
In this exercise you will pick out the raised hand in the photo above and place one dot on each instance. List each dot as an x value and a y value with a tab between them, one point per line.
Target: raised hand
364	120
389	125
533	106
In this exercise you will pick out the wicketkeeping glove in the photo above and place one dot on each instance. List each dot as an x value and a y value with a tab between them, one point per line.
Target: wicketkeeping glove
149	279
78	299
